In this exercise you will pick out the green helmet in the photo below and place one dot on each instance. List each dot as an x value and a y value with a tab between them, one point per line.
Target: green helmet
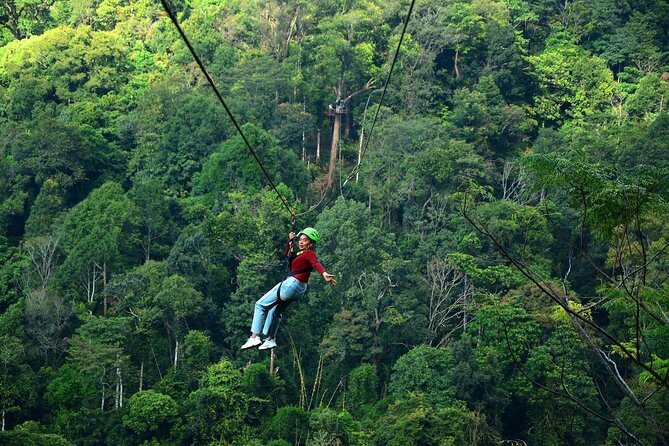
311	233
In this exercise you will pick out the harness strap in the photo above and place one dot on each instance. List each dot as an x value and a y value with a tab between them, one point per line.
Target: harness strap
290	274
300	271
278	303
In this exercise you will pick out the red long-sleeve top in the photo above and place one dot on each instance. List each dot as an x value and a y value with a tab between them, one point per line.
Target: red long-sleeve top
305	260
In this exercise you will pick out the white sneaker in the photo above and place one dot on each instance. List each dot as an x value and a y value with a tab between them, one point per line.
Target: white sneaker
270	343
251	342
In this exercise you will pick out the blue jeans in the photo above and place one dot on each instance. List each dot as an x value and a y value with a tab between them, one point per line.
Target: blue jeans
291	290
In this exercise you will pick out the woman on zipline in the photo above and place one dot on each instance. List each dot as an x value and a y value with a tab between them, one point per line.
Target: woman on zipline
270	307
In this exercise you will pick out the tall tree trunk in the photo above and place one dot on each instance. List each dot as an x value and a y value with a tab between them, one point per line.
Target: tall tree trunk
362	137
116	393
102	399
456	60
318	146
465	303
12	20
333	148
147	245
118	399
120	393
347	126
104	286
141	376
291	31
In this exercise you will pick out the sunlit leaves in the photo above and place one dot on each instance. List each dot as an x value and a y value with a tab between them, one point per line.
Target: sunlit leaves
573	83
150	412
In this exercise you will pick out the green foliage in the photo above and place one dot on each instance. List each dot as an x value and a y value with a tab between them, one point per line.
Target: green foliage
558	365
648	98
482	118
278	443
573	83
509	327
266	391
646	149
172	130
636	43
150	413
424	370
18	438
613	197
16	377
327	426
60	156
289	424
233	168
197	351
217	409
136	230
69	390
369	305
291	124
45	209
523	229
47	316
178	301
96	352
23	18
447	168
156	225
656	408
81	64
362	387
413	421
12	264
194	255
97	235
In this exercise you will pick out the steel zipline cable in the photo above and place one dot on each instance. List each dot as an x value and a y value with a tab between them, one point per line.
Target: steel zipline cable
376	114
197	59
385	87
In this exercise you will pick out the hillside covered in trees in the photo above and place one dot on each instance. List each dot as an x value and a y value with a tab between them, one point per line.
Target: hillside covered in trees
499	238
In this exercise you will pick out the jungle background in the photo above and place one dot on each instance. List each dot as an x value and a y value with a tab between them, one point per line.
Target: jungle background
501	251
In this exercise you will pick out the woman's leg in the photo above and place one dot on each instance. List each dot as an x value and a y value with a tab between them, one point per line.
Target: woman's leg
269	320
291	290
263	308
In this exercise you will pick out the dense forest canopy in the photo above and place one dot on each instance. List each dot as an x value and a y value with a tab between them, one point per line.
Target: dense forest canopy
499	238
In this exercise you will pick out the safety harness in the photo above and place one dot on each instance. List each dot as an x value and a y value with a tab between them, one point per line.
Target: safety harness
281	305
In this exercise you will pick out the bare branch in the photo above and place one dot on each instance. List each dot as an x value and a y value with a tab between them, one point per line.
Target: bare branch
546	288
566	393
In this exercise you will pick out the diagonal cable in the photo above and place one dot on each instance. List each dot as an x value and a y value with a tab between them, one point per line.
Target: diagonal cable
376	114
390	73
197	59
